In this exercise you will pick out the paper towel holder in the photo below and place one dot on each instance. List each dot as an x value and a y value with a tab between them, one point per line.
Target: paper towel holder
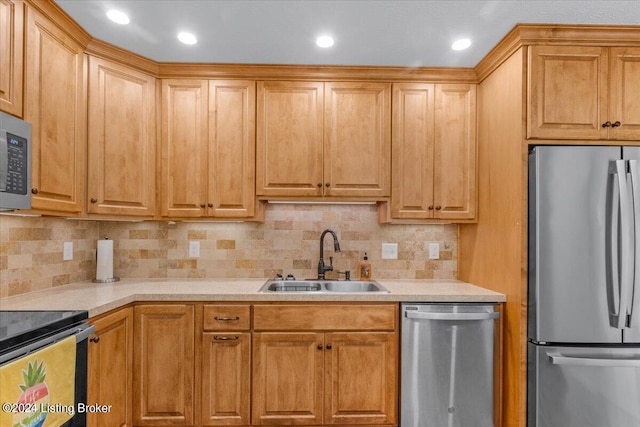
107	279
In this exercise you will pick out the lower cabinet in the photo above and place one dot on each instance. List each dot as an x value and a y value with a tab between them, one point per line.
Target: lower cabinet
324	378
164	362
264	364
110	369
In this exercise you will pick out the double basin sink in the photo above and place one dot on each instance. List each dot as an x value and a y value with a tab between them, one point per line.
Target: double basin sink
323	286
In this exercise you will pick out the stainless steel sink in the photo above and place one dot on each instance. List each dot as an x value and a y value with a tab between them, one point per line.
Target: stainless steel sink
323	286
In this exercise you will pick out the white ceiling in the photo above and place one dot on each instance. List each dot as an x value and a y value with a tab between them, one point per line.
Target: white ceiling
397	32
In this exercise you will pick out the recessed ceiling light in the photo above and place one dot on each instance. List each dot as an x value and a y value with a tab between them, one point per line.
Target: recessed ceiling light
324	41
187	38
118	17
461	44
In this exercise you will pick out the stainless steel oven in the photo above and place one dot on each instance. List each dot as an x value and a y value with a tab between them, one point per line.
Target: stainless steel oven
25	332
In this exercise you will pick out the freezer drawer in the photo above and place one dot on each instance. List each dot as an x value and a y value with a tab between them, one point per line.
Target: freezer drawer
583	386
447	365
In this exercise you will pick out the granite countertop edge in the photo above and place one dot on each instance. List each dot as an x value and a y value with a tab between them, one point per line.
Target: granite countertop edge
99	298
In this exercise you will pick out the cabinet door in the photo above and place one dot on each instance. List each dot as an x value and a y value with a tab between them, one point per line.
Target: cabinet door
289	139
54	105
567	92
110	367
163	376
357	143
226	376
122	140
184	148
412	151
231	148
454	166
361	382
287	378
624	98
11	61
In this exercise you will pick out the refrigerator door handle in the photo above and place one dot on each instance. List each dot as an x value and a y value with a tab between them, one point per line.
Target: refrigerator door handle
452	316
626	248
634	318
561	359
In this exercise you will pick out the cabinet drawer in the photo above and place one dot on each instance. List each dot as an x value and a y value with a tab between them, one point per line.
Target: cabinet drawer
339	317
222	317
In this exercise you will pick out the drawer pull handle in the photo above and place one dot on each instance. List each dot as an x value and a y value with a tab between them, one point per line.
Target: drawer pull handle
221	338
227	319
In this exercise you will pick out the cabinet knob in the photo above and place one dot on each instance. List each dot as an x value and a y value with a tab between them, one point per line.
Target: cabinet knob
430	207
210	205
94	339
94	200
202	205
319	185
616	124
329	347
438	208
319	346
327	184
606	124
34	191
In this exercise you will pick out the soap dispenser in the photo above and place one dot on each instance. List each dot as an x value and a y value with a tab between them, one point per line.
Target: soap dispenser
365	268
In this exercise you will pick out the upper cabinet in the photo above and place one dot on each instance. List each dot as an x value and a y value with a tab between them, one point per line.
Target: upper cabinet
208	148
54	104
433	152
11	60
584	92
323	140
121	173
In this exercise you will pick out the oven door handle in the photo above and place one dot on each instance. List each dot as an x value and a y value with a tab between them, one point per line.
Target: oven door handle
81	333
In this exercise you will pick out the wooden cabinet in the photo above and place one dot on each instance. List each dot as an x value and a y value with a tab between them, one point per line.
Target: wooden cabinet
11	60
54	104
110	369
434	152
583	92
325	364
208	148
226	365
121	173
323	140
164	362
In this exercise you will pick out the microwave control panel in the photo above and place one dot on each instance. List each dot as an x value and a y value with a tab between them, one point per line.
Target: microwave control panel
14	176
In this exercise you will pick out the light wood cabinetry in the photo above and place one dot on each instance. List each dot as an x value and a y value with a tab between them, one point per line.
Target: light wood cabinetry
208	148
226	365
583	92
433	152
164	362
304	373
121	174
11	60
54	104
110	369
323	140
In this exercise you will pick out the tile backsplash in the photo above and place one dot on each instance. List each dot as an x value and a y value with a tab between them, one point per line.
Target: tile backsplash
287	242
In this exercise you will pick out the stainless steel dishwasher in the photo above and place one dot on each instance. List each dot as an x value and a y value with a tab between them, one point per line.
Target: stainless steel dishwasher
447	365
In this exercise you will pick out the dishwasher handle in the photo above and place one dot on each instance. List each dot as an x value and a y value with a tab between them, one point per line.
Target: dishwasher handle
487	315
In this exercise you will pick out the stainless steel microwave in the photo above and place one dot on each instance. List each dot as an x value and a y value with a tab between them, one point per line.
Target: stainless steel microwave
15	163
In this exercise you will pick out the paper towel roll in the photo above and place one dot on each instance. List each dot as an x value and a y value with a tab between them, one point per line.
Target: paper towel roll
104	261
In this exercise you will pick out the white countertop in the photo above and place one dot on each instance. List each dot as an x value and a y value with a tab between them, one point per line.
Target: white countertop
98	298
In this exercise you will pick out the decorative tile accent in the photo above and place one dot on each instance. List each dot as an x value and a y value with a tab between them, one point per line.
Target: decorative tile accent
286	243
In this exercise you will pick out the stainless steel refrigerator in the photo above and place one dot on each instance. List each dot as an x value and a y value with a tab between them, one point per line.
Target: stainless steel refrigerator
584	287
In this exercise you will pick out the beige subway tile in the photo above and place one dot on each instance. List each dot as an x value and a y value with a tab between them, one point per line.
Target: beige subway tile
19	261
226	244
196	234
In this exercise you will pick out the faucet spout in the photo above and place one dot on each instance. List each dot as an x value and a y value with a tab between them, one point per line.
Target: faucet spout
322	268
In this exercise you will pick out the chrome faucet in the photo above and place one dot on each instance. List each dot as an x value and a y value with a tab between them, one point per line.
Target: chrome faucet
322	268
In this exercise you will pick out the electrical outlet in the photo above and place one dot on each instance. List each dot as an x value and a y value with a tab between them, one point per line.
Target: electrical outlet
194	249
389	251
434	251
67	251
